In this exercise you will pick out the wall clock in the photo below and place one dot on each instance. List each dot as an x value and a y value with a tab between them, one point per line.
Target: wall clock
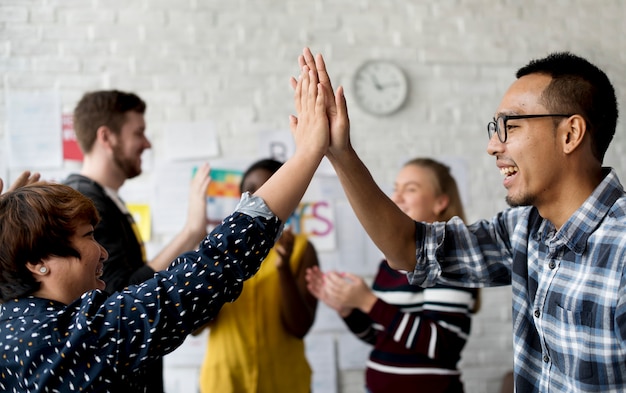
380	87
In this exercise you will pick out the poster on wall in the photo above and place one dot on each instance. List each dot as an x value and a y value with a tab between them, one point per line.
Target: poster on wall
33	129
279	145
187	141
3	168
315	219
222	194
142	217
71	149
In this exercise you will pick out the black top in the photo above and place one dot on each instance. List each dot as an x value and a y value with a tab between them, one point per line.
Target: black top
125	266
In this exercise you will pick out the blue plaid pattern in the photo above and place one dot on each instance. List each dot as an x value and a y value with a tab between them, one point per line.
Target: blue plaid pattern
569	292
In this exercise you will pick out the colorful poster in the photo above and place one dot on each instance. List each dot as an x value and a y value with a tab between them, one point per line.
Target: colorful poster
316	220
71	149
224	183
223	194
141	215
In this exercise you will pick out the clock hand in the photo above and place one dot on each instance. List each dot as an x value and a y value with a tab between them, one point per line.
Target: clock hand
390	84
377	84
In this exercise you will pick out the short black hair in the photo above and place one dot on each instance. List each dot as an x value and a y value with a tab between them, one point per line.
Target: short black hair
268	164
579	87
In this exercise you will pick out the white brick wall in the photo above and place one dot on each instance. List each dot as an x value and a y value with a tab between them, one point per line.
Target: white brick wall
229	62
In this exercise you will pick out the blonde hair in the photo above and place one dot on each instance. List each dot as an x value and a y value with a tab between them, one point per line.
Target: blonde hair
444	184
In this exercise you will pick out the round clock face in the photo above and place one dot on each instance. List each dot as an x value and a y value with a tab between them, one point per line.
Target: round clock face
380	87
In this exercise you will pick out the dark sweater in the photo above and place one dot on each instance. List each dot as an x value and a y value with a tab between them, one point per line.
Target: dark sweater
126	264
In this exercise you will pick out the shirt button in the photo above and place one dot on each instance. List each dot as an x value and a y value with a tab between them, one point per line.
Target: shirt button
546	358
552	265
537	313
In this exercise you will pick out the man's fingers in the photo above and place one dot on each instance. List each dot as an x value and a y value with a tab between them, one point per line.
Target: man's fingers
312	90
321	71
309	60
301	61
293	124
320	106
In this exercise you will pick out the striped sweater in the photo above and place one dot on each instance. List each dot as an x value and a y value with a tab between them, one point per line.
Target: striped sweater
417	334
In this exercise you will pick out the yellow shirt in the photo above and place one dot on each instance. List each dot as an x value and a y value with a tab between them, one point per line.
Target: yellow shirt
249	350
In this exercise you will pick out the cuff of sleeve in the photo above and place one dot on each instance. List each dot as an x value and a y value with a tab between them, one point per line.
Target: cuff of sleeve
255	206
427	269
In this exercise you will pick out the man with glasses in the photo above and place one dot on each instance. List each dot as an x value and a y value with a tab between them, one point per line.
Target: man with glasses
561	245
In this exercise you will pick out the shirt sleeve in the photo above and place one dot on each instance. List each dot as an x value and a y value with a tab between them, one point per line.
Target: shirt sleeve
360	324
153	318
473	255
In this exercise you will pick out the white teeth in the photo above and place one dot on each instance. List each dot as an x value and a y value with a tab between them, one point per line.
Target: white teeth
509	170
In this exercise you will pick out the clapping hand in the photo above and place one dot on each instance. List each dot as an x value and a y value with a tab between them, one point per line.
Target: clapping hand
24	179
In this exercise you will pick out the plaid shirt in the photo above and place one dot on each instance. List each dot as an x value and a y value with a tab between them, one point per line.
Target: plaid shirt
569	297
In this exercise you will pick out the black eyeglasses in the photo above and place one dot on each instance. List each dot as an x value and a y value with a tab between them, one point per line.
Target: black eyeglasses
498	126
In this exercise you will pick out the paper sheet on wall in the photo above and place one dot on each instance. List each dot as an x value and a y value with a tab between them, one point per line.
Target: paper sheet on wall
327	320
171	195
33	130
353	353
357	254
142	217
190	353
315	219
52	175
280	145
187	141
3	167
71	148
320	352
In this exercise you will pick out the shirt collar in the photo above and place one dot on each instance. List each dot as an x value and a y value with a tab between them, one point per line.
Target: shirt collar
591	213
29	305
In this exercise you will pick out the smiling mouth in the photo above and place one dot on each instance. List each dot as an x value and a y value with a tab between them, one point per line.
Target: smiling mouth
99	272
509	171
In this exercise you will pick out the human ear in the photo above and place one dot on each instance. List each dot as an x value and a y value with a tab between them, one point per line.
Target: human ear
39	269
441	204
574	134
104	135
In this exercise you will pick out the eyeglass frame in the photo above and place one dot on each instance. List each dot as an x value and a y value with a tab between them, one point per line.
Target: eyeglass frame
492	126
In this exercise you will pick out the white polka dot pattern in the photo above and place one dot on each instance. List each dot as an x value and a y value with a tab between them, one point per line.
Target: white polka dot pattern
94	344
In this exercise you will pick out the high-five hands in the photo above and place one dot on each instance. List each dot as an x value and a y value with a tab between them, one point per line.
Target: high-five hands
334	103
310	127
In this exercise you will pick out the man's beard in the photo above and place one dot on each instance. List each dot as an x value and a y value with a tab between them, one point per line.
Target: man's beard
524	200
127	166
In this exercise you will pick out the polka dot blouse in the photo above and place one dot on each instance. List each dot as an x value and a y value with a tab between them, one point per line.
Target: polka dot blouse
94	343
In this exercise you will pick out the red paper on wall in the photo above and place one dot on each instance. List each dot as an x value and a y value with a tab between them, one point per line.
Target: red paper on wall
71	149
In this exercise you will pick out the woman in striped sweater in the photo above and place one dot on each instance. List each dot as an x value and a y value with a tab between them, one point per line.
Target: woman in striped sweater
417	333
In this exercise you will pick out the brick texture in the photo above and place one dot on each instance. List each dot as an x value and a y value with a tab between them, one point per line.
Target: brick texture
230	62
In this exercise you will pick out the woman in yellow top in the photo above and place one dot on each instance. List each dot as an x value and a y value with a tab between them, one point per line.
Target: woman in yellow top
256	343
